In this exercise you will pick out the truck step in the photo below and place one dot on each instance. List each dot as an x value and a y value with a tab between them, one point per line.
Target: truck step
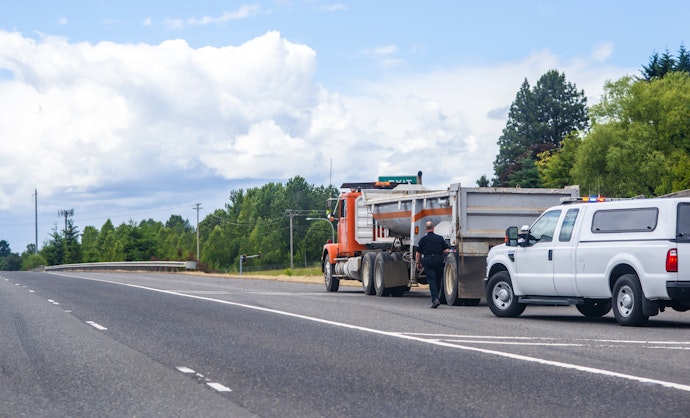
550	300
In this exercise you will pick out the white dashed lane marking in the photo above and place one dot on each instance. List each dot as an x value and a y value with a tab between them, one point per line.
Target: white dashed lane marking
219	387
97	326
200	377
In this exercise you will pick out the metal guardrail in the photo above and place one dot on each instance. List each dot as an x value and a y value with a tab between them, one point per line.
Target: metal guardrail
128	265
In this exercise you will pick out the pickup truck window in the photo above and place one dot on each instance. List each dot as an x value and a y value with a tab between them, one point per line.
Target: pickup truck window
544	227
683	225
568	224
625	220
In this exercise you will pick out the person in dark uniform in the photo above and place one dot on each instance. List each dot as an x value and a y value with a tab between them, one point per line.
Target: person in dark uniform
431	250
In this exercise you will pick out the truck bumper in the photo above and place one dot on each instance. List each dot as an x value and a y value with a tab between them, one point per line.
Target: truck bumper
678	290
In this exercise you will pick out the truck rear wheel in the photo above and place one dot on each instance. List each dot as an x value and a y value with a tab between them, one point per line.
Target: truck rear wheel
332	283
451	283
379	282
450	280
500	297
627	301
367	273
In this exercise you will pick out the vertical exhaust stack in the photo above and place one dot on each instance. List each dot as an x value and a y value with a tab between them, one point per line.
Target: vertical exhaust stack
419	177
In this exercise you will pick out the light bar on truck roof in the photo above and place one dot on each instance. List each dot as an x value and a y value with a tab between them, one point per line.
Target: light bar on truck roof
594	199
583	199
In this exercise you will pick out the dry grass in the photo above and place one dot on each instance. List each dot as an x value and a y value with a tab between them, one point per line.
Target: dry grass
299	276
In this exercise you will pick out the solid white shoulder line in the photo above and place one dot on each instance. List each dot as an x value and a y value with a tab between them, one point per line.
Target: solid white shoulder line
592	370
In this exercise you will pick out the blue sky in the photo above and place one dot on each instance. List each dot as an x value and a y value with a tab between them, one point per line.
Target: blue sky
136	110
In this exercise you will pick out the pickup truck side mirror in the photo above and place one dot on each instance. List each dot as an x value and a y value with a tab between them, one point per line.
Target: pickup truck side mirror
524	237
512	236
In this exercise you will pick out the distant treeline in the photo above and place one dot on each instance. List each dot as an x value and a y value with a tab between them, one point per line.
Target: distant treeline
254	221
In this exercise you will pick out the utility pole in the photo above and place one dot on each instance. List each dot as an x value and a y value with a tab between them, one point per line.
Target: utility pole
198	256
291	213
36	218
66	213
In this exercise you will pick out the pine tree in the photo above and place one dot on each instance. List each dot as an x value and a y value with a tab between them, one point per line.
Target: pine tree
539	119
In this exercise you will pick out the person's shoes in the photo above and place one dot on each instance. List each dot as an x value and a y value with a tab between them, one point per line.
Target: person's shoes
435	304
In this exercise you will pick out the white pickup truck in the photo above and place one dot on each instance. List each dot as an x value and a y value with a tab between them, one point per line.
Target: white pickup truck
631	254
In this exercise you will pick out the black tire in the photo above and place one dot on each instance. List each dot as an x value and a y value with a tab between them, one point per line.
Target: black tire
379	282
594	308
396	256
469	301
399	291
367	273
500	297
332	283
627	301
450	280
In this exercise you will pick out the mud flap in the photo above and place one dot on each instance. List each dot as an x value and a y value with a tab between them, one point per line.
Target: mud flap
395	273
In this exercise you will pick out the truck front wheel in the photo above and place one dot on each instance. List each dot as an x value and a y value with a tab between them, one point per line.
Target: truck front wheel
627	301
332	283
500	297
367	273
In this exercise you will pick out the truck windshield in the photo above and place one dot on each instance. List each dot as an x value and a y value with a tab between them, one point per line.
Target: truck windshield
544	227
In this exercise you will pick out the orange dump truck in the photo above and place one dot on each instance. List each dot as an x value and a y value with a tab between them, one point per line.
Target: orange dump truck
379	224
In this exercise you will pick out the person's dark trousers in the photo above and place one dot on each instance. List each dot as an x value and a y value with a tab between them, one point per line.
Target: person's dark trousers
433	267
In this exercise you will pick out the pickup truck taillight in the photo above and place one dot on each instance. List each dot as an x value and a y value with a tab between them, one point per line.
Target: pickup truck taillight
672	260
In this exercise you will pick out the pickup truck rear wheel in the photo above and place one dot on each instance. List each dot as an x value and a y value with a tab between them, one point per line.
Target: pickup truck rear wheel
332	283
367	273
500	297
627	301
594	308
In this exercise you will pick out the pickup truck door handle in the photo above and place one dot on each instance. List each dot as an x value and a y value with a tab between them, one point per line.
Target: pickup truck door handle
550	255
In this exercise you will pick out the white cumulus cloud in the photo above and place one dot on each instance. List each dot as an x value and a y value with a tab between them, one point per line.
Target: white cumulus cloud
109	126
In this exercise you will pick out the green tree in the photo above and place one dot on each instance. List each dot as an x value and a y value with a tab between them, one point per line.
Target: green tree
483	181
71	244
217	251
111	248
12	262
105	241
4	248
659	66
683	60
89	245
526	174
32	261
53	250
539	119
137	240
555	166
31	249
640	138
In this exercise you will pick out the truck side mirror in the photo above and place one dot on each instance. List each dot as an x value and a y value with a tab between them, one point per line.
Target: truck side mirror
512	236
524	236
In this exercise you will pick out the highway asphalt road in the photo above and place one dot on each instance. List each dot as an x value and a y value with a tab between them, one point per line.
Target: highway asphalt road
78	344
